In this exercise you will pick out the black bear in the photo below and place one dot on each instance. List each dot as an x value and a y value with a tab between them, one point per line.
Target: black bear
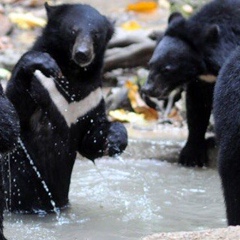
9	133
226	111
56	90
191	53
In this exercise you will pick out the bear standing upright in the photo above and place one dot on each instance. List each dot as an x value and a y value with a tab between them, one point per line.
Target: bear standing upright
192	52
56	90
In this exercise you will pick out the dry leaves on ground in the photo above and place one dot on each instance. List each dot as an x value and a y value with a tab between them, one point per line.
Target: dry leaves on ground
143	6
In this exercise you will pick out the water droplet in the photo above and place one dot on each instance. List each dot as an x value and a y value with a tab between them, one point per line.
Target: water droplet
39	176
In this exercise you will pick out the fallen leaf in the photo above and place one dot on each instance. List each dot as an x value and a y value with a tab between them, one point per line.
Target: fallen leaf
131	25
142	6
133	95
137	103
126	116
26	20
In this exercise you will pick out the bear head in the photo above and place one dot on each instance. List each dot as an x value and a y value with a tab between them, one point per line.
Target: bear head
79	32
183	54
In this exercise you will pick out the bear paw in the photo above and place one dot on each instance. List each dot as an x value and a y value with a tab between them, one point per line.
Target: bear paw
194	155
34	60
117	139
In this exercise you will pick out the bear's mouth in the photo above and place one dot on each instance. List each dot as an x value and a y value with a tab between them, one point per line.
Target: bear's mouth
83	61
152	90
83	53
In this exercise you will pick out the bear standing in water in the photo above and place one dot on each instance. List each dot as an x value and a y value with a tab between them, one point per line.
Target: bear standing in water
226	110
191	53
56	90
9	133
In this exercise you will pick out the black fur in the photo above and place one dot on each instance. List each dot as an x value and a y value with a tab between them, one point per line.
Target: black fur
9	133
189	49
227	125
70	50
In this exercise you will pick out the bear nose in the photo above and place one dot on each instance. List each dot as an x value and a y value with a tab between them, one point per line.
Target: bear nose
146	89
82	56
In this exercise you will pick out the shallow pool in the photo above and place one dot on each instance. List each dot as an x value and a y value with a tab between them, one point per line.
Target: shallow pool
128	199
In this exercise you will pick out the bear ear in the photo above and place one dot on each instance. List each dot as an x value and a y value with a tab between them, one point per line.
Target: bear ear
49	9
212	33
110	27
175	16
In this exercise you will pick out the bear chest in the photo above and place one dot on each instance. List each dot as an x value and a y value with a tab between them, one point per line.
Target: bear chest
71	111
209	78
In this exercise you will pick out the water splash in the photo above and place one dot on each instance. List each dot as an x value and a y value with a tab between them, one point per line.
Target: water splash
113	195
9	179
146	186
63	89
55	209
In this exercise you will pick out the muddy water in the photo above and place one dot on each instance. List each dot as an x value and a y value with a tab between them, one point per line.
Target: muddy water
128	199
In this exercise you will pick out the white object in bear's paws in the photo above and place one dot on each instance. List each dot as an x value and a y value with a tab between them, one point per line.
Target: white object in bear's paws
74	110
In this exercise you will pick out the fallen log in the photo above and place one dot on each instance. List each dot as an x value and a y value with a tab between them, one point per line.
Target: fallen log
129	49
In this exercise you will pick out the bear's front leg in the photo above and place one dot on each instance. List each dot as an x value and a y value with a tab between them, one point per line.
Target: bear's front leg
32	61
103	138
226	109
9	124
199	105
116	139
19	88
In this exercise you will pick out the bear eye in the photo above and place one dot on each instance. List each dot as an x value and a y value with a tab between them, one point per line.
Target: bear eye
168	68
73	32
96	35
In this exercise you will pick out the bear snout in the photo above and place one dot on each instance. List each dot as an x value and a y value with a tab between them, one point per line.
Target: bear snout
83	53
147	89
152	87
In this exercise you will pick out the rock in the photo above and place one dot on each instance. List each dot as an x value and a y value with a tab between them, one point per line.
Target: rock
230	233
6	25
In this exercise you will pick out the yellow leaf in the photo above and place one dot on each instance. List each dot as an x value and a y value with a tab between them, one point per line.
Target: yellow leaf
26	20
133	95
126	116
131	25
142	6
137	103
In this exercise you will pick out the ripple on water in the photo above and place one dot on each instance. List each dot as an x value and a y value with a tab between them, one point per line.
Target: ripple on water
127	199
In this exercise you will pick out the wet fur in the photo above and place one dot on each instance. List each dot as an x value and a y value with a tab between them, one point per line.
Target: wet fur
50	136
